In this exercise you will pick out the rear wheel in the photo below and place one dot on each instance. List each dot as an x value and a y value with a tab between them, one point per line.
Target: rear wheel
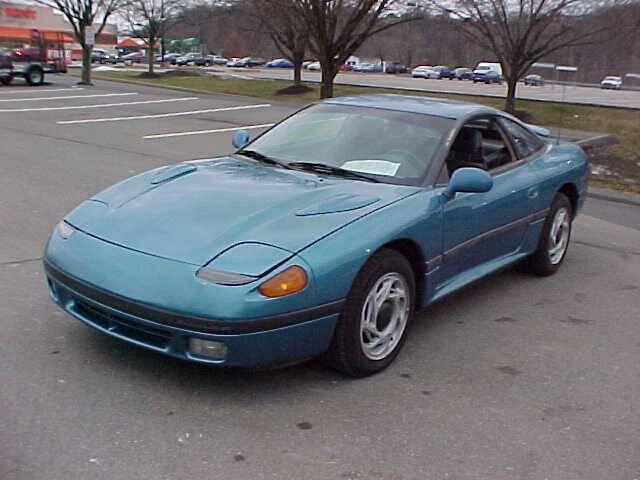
372	326
34	76
6	80
554	239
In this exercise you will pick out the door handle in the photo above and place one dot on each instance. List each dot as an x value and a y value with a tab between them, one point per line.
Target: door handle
532	193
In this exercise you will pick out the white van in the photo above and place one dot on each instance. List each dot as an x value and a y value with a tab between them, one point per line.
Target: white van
482	67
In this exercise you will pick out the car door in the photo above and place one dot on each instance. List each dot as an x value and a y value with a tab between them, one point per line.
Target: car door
482	227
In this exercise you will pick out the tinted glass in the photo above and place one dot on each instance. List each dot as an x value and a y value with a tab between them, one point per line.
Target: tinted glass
524	142
391	146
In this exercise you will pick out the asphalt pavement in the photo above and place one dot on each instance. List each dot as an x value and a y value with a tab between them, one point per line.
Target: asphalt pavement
515	377
550	92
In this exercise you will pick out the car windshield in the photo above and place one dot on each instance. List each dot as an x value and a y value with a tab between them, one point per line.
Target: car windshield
615	79
388	146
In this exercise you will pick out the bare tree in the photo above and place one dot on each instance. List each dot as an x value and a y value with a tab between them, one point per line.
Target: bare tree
337	28
147	20
84	15
289	34
521	32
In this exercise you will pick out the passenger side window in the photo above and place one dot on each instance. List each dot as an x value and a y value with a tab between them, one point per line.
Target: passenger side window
524	142
480	143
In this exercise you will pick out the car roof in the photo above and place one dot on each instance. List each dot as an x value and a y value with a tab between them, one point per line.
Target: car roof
440	107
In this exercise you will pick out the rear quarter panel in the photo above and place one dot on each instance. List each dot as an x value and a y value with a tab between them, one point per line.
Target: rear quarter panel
563	163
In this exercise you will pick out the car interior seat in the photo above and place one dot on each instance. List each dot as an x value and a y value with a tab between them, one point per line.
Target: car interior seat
466	150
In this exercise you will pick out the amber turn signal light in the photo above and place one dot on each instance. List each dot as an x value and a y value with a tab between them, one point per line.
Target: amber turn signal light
289	281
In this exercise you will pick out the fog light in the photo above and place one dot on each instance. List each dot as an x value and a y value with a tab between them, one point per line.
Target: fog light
208	348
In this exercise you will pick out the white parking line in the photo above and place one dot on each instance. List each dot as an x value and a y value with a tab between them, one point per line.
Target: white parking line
102	105
201	132
25	90
162	115
66	97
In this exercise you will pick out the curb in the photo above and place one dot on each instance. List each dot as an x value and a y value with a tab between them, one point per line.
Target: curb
626	198
597	141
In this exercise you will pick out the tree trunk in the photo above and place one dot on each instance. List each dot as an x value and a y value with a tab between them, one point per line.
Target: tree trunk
86	65
329	72
297	73
150	56
510	103
298	60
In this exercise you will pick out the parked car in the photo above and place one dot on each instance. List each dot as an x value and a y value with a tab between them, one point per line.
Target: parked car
367	68
484	66
196	58
280	63
612	83
135	57
250	62
217	60
315	66
463	73
534	80
424	71
486	76
330	254
169	58
306	63
444	72
235	62
102	56
396	67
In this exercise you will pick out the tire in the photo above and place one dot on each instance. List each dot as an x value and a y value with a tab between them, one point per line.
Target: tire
34	76
542	262
353	350
6	80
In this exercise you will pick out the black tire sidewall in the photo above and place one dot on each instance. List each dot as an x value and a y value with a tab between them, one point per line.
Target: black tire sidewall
29	77
540	263
345	352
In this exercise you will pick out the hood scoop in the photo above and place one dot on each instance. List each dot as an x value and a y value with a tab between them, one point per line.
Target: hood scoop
172	173
338	203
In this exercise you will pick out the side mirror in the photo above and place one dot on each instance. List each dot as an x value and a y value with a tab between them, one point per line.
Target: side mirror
240	138
468	179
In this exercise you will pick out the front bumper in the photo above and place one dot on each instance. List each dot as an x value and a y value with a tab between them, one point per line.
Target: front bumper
122	309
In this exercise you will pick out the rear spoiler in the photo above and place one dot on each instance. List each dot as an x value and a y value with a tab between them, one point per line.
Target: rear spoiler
540	131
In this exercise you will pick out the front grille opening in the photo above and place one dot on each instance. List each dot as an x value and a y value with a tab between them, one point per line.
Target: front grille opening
150	336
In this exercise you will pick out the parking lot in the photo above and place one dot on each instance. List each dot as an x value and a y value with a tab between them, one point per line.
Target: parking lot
550	92
514	377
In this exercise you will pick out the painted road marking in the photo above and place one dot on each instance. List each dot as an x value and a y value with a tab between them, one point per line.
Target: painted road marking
66	97
103	105
163	115
202	132
26	90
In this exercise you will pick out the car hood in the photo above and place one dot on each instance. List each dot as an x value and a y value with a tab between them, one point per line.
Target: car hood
193	211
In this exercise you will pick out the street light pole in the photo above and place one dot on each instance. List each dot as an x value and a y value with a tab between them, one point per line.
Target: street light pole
162	20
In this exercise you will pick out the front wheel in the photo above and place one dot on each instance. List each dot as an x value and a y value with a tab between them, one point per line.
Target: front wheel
372	326
6	80
34	76
554	239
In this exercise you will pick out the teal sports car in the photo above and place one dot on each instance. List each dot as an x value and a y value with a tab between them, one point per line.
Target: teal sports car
322	236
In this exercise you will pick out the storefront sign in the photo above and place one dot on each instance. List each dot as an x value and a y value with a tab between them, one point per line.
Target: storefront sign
18	13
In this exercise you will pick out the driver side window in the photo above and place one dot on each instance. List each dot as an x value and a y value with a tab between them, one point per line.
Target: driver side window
480	143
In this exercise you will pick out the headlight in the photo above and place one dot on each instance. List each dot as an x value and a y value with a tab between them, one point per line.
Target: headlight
223	278
291	280
64	229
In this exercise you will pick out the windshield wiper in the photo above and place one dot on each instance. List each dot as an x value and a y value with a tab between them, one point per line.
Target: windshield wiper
261	157
330	170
